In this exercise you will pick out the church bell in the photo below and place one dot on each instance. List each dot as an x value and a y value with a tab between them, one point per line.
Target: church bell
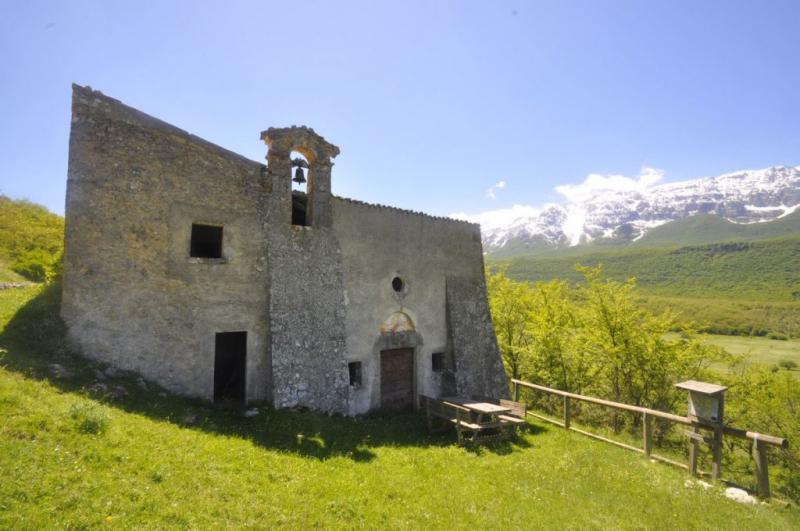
299	176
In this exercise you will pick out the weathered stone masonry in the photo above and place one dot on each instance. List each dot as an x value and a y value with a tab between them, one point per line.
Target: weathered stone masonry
318	305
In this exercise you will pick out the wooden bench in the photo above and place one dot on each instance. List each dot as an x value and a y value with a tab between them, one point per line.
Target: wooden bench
448	414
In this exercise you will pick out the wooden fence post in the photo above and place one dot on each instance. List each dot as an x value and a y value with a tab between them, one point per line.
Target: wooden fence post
696	438
716	463
716	452
647	434
693	451
762	472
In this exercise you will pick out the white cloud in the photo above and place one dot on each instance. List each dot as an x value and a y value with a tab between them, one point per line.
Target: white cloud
596	184
576	196
493	219
491	192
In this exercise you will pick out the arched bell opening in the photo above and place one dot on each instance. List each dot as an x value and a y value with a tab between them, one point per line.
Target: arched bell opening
300	188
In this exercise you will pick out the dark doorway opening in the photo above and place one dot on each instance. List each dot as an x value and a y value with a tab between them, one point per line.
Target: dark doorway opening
299	207
230	357
397	379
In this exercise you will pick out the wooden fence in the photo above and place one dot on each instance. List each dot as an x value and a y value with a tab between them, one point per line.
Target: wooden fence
760	441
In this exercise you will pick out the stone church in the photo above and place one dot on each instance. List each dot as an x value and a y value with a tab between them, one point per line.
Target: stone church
229	280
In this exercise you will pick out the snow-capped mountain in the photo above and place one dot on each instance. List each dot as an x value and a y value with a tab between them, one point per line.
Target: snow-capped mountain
626	212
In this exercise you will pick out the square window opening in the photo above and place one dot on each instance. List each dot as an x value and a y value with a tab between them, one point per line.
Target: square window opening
206	241
354	368
437	361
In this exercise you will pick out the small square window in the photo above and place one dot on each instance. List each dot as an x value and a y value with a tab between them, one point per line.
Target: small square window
437	361
354	367
206	241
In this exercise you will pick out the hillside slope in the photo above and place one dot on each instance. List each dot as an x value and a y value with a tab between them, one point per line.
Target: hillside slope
76	452
31	240
759	270
709	228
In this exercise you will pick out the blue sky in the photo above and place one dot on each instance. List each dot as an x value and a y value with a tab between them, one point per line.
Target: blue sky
431	102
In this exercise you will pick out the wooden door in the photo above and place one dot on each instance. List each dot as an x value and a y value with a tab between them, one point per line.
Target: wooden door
397	379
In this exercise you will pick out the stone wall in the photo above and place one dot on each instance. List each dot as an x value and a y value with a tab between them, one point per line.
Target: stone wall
132	296
478	364
380	243
307	312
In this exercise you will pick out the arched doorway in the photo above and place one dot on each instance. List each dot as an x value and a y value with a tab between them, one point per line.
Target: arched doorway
397	369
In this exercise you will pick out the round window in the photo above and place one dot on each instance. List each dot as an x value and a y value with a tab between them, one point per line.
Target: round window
398	284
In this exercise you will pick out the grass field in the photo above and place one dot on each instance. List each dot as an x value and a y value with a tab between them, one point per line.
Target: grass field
730	316
759	350
7	275
73	457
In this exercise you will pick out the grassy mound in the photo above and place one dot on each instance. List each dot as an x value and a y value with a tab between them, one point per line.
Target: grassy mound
31	241
82	447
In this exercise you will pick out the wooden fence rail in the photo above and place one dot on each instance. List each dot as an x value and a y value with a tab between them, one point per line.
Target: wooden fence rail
760	441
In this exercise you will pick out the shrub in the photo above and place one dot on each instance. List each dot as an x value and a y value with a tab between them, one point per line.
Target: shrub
89	419
787	364
37	265
594	339
766	402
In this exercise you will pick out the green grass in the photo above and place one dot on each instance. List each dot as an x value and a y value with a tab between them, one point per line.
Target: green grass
731	316
9	275
759	350
71	457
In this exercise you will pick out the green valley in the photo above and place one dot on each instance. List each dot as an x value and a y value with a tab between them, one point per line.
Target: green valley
748	287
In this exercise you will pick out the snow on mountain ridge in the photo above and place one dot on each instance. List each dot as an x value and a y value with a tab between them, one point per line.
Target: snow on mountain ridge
625	209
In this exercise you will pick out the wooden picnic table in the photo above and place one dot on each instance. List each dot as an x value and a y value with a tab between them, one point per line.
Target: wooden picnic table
485	412
480	421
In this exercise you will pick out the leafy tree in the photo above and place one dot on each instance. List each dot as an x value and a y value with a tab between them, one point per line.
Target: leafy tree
553	324
765	402
511	303
593	338
635	360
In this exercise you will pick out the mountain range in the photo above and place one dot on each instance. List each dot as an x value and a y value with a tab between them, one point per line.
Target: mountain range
729	204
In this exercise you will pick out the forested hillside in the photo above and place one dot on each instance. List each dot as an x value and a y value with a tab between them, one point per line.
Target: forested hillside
31	241
742	288
759	271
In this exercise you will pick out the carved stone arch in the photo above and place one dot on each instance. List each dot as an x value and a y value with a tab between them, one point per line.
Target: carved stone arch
300	138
